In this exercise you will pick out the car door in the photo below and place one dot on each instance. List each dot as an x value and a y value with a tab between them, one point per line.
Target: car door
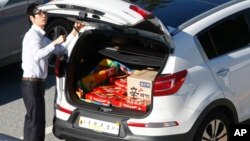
14	24
227	47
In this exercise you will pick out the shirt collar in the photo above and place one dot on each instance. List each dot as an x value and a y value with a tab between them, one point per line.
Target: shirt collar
37	28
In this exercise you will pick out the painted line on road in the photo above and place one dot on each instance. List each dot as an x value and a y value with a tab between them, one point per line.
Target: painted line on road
48	130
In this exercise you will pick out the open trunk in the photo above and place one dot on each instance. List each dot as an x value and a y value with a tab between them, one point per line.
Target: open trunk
113	67
134	53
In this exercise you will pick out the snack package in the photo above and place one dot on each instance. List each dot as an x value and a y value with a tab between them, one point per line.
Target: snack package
101	98
97	78
104	70
131	103
102	73
111	89
136	103
120	81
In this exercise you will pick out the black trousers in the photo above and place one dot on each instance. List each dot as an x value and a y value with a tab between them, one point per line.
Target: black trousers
33	97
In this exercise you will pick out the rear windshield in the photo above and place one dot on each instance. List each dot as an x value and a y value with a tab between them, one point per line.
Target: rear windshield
175	12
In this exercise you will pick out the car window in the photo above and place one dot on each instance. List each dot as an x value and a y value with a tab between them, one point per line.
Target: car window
228	35
176	12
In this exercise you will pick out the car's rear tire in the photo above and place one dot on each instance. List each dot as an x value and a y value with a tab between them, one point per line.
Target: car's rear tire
54	29
214	127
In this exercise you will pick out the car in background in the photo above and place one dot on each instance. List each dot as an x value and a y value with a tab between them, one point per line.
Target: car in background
14	24
199	49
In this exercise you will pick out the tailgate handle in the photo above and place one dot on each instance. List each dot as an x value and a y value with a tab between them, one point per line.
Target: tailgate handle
82	15
223	72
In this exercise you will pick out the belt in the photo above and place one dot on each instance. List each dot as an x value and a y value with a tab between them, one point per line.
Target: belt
33	79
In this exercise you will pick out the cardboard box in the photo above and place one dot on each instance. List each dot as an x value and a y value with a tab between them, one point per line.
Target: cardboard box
139	85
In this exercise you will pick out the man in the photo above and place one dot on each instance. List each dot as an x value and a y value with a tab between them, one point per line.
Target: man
35	52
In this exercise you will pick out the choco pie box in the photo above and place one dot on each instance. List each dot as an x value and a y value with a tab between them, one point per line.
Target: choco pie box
139	85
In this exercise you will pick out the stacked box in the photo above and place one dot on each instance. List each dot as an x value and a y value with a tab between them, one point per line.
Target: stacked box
140	84
106	94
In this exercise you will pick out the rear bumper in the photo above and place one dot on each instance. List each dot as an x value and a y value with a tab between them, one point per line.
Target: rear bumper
65	130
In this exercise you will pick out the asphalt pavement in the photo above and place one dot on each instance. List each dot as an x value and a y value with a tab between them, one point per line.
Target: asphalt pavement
12	110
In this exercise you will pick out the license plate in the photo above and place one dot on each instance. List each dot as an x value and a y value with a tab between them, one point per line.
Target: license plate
99	125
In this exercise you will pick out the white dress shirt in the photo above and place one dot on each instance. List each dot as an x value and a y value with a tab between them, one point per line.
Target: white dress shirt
36	50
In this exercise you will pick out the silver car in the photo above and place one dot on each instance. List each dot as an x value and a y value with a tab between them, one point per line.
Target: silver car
14	24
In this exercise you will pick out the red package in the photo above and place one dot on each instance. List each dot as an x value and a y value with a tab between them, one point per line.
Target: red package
120	81
130	103
102	98
111	89
96	92
137	101
142	107
117	100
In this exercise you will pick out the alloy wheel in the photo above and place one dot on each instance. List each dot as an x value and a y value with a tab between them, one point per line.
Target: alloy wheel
215	131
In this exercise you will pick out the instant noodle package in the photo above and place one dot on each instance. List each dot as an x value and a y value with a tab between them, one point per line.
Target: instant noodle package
107	85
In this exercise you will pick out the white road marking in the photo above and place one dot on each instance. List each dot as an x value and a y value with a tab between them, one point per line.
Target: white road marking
48	130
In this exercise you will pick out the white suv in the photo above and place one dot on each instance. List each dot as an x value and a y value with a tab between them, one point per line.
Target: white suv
201	55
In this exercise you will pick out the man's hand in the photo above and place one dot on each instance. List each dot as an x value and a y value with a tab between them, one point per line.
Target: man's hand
77	28
62	38
59	40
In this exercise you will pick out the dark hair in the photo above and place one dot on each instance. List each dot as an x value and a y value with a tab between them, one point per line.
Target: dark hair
30	10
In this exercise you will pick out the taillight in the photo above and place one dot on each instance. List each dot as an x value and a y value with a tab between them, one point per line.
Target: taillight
57	66
60	65
145	14
169	84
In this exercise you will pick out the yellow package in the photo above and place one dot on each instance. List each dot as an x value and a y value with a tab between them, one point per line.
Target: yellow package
105	69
